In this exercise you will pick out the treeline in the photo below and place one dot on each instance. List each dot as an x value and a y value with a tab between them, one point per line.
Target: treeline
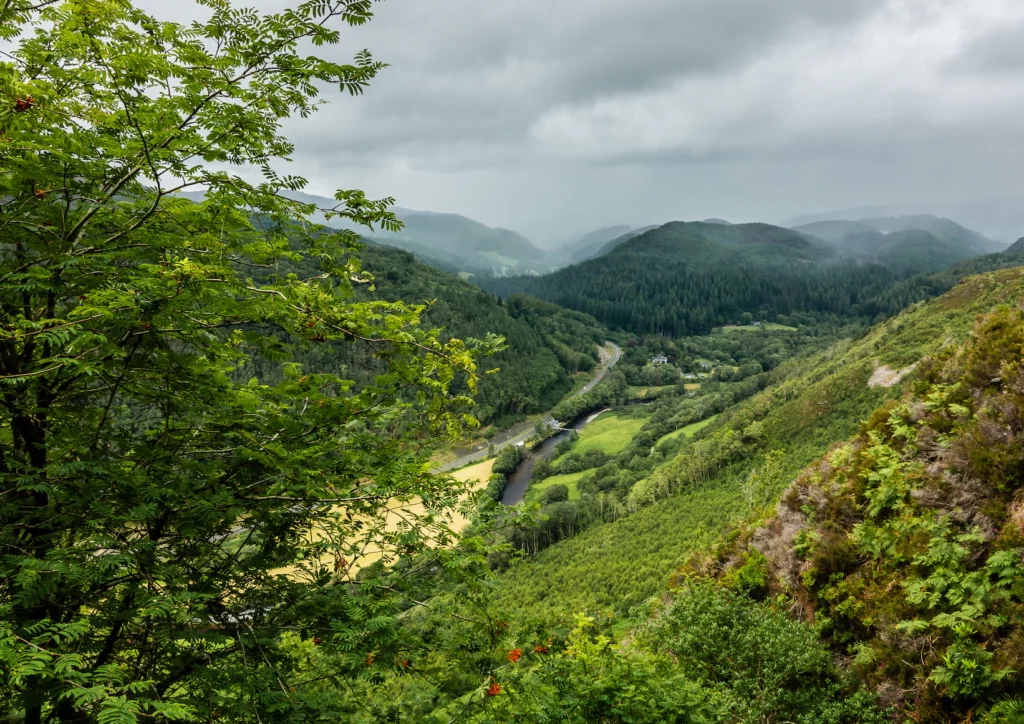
678	298
611	389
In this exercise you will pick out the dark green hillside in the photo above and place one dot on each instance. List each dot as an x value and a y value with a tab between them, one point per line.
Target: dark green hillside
546	343
916	251
925	286
573	336
703	243
686	278
907	539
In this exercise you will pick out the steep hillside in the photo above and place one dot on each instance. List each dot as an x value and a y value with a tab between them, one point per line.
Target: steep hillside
686	278
619	241
907	539
541	355
737	463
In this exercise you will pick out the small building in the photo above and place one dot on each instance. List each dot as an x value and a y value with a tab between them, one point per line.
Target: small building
659	359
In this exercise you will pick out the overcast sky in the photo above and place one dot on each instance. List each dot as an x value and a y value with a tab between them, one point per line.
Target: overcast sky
558	116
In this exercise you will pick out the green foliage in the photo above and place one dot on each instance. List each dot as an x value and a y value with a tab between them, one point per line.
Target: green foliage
609	434
593	681
751	577
637	536
569	480
531	375
615	565
573	336
611	389
556	493
167	524
909	544
777	274
765	665
709	655
509	458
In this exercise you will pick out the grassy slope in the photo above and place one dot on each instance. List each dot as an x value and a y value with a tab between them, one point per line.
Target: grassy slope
611	432
570	480
616	565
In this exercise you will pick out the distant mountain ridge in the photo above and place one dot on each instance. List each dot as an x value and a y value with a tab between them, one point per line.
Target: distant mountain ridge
449	241
590	244
1001	221
914	244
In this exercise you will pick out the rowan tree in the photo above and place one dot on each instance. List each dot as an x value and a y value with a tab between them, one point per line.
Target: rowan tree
167	526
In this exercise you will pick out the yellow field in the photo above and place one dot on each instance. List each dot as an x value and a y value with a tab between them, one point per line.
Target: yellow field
399	512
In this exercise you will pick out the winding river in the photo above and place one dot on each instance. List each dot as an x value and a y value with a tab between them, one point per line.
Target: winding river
519	480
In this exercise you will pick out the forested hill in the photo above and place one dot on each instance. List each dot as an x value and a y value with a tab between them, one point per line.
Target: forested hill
687	278
546	343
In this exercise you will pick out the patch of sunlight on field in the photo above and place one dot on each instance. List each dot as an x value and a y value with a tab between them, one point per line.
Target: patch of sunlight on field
569	480
609	432
400	512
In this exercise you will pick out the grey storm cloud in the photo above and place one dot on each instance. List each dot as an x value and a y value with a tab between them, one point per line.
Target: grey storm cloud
552	116
468	72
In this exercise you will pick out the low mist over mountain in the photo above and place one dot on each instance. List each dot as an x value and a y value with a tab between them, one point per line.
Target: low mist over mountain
1000	221
452	241
590	244
905	243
